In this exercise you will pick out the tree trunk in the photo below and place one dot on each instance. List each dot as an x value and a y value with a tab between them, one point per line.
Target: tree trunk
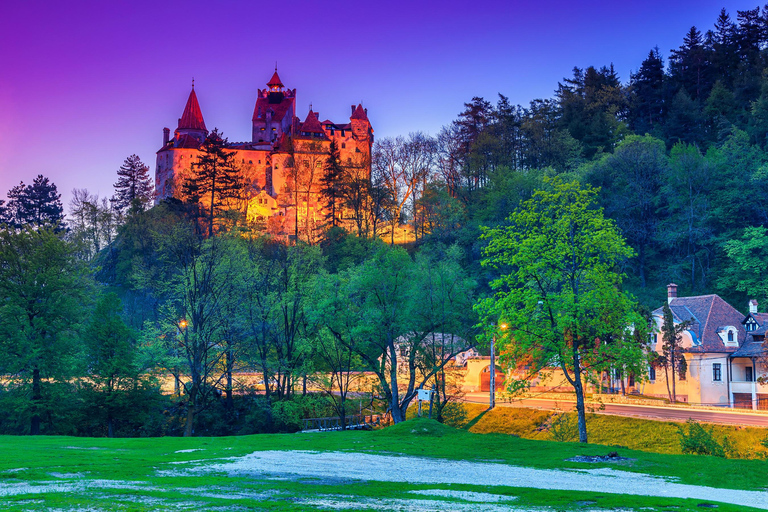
579	388
191	406
36	398
229	403
674	369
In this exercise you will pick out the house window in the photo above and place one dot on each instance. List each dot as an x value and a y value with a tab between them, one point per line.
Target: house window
716	372
730	335
652	373
748	373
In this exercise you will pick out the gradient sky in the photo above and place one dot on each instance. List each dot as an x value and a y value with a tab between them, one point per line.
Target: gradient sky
85	84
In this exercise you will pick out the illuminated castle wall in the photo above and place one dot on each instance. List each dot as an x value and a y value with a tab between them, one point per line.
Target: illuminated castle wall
283	161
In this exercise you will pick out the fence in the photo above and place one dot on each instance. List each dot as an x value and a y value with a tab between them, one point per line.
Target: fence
353	422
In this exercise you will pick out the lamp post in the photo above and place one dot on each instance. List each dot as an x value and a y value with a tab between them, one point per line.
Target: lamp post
492	394
176	383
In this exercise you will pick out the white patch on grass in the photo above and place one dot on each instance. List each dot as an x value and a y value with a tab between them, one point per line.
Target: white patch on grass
479	497
43	487
189	450
422	470
340	503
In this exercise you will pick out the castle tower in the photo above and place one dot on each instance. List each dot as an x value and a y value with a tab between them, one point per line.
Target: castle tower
361	126
191	122
274	112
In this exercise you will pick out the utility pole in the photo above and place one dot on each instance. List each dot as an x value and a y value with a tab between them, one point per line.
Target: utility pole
492	393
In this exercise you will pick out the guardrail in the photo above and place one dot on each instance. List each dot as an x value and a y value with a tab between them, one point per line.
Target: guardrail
352	422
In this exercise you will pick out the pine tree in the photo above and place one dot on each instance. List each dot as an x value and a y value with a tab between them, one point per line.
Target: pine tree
647	95
133	184
689	66
35	204
331	186
216	181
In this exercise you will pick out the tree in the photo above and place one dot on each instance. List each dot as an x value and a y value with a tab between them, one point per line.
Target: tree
673	361
332	184
215	181
647	95
748	257
558	288
43	287
118	388
35	204
400	304
630	179
134	185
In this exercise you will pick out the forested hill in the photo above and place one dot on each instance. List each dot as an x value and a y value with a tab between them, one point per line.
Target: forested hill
678	149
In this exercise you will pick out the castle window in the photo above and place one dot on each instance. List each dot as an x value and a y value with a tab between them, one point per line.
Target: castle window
277	166
343	133
262	128
349	160
357	150
343	145
250	161
260	114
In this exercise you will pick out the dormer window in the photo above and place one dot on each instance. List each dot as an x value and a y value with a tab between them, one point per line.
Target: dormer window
730	335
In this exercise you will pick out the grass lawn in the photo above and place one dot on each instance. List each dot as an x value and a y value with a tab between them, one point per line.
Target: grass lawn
149	474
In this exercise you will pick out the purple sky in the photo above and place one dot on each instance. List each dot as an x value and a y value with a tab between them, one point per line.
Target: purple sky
85	84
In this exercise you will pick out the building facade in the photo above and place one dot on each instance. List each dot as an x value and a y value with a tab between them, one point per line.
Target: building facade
283	162
723	349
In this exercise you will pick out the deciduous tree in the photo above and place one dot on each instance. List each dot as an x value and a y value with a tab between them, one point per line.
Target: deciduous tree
559	289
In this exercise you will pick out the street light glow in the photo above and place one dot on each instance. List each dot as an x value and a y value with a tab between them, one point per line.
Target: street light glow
183	323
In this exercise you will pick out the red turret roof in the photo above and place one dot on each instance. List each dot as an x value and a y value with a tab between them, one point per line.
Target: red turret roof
192	118
275	80
311	124
359	113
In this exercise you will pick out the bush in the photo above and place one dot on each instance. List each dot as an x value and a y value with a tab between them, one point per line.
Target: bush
564	428
699	440
287	416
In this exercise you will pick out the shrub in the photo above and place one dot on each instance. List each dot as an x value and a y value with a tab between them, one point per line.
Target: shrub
564	428
700	440
287	416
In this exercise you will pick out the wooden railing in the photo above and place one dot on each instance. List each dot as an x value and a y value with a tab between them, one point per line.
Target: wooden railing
352	422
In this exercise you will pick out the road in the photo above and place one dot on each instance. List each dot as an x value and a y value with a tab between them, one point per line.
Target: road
726	417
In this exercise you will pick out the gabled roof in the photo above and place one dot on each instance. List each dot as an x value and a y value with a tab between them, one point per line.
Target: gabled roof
311	124
760	318
708	313
275	80
359	113
192	118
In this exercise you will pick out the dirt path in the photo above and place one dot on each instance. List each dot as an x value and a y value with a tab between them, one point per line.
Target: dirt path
360	466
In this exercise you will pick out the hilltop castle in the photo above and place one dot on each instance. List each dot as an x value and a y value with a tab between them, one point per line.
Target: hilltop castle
283	162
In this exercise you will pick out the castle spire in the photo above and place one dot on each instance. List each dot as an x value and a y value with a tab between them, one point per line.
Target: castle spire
275	84
192	118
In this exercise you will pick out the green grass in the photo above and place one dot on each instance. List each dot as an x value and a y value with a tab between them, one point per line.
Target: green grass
138	460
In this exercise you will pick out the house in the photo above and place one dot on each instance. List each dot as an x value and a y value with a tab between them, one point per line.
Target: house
723	350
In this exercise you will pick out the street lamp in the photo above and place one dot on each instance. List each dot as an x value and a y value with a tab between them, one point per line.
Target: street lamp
492	393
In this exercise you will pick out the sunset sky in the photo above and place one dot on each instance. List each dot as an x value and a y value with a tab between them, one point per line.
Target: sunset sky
83	85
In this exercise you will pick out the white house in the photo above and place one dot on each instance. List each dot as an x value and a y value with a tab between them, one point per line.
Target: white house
723	350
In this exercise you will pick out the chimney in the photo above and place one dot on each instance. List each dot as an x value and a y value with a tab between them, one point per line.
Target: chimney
753	306
166	136
671	292
353	109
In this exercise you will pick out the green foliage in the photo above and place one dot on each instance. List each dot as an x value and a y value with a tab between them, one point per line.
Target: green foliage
564	428
559	289
700	440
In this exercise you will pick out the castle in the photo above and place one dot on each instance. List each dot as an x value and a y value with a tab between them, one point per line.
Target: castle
282	164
